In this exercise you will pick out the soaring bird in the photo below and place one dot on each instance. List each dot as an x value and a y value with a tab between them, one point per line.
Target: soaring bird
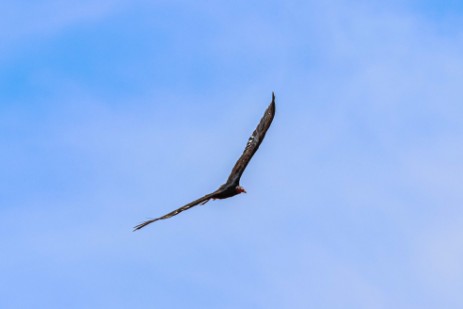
232	186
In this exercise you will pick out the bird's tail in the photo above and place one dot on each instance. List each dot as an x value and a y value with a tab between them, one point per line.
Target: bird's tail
202	203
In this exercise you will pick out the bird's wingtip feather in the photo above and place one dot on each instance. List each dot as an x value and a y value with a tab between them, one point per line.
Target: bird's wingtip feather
143	224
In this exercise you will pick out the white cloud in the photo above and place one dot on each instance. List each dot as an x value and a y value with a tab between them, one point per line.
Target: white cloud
24	22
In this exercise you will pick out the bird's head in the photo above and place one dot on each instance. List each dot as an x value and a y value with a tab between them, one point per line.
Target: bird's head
240	189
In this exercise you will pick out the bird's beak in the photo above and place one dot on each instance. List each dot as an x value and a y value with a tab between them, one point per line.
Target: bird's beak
244	191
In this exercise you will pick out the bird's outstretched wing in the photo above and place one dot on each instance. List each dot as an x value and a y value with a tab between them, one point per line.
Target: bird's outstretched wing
251	147
253	143
203	200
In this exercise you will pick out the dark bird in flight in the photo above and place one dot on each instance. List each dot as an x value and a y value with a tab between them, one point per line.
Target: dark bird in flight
232	186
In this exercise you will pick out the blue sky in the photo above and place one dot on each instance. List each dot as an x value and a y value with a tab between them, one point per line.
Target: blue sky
118	111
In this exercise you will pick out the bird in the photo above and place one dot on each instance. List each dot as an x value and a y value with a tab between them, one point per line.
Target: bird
232	186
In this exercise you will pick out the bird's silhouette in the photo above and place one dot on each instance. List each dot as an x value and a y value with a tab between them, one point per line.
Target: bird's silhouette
232	186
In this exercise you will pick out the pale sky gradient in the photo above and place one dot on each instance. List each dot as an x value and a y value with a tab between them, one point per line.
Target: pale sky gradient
118	111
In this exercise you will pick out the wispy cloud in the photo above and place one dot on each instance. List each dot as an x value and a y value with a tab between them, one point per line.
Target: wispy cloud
26	24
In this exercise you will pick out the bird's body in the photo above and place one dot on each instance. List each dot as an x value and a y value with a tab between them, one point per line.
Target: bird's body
232	186
226	191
